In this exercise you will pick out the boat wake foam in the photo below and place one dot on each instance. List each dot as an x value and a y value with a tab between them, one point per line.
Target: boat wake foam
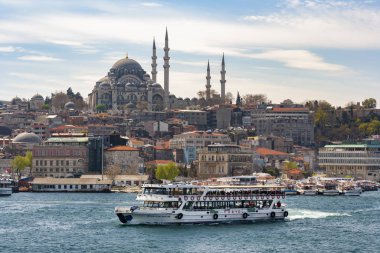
300	214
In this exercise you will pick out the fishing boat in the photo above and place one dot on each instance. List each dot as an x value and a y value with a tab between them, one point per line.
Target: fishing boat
192	204
5	187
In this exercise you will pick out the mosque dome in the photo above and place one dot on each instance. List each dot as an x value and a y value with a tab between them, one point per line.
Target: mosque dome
128	65
103	80
27	138
69	105
37	97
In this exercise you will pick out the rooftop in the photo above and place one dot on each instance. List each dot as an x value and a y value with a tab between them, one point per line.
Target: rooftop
122	148
267	151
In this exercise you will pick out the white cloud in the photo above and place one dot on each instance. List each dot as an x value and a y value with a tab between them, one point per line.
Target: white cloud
11	49
39	58
151	4
300	59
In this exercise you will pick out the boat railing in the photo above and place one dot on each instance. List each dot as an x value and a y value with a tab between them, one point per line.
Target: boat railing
223	197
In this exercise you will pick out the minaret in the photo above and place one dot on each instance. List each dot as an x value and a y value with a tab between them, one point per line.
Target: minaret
238	100
166	71
154	63
223	82
208	85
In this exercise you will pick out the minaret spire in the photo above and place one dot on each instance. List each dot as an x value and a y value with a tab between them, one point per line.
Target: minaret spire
166	71
154	63
223	82
208	85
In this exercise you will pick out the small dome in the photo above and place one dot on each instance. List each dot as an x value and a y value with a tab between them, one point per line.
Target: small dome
130	105
105	86
5	131
27	138
69	105
37	97
156	85
16	100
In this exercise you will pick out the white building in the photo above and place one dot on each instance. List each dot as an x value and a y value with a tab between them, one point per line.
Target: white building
361	161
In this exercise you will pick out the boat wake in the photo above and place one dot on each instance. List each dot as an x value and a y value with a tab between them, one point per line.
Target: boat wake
300	214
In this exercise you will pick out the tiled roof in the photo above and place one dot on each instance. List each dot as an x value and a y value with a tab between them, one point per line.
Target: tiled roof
122	148
267	151
154	162
297	109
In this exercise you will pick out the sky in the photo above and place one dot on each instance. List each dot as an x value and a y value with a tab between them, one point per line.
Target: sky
296	49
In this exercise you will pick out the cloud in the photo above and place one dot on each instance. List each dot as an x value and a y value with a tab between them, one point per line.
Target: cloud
300	59
151	4
39	58
11	49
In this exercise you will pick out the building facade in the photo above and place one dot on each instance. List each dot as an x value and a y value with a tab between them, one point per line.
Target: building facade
361	160
220	160
60	157
191	142
295	123
126	158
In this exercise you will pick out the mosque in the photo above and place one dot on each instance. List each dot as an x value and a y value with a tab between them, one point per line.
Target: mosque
127	86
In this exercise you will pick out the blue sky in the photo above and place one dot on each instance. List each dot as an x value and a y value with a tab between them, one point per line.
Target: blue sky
311	49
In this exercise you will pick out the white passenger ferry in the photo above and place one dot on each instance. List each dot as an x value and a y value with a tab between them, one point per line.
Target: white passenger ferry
185	203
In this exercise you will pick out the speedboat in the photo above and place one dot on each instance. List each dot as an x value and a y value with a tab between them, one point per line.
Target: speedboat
194	204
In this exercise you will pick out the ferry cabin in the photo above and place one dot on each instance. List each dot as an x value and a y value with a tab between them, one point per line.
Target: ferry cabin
70	185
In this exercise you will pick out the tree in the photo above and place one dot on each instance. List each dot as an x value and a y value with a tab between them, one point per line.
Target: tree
250	99
100	108
70	93
45	107
287	102
369	103
168	171
229	97
112	171
272	171
288	165
18	165
59	100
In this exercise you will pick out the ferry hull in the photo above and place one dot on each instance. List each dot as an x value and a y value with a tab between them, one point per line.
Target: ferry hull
200	217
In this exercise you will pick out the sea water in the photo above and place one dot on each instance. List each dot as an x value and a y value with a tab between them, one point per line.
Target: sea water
85	222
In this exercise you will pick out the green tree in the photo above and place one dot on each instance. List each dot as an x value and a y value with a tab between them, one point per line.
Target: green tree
168	171
288	165
369	103
45	107
101	108
272	171
18	165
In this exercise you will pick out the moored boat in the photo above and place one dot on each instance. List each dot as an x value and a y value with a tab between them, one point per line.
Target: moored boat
352	191
185	203
5	187
331	189
309	190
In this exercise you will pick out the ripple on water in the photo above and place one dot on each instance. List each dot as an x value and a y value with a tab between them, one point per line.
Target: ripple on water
297	214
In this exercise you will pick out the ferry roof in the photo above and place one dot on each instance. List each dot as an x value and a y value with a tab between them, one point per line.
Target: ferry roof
180	185
245	186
